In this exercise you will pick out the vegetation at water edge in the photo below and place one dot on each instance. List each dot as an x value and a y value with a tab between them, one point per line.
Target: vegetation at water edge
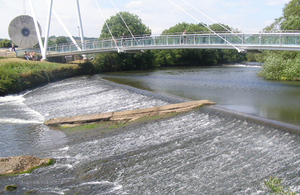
274	185
283	65
280	65
11	187
18	74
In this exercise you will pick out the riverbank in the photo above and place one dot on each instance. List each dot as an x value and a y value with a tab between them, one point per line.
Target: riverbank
19	74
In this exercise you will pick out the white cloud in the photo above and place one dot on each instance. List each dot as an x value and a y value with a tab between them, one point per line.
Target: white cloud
133	4
276	2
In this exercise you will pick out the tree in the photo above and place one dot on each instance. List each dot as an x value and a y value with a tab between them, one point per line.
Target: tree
196	56
50	42
124	61
290	19
117	26
283	65
61	40
291	16
180	27
219	28
5	43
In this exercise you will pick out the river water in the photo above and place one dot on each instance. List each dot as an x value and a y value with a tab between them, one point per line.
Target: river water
201	152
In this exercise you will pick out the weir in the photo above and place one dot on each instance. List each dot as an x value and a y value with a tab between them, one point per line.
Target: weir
250	118
207	150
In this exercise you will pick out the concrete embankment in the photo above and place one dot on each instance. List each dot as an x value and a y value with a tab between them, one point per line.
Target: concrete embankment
129	115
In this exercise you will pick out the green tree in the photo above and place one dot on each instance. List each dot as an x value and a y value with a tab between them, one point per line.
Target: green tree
290	19
117	26
124	61
219	28
180	27
291	16
283	65
5	43
61	40
50	42
196	56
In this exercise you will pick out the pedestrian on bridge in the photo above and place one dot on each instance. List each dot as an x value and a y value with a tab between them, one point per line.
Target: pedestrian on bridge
184	36
123	40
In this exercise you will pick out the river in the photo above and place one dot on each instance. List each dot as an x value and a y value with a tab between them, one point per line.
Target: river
201	152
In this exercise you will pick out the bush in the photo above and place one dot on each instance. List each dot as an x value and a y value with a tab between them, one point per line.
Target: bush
281	66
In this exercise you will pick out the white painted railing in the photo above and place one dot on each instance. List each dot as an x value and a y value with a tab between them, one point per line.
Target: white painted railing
243	41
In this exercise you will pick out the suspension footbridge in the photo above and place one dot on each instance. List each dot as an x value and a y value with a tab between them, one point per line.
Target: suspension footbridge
242	42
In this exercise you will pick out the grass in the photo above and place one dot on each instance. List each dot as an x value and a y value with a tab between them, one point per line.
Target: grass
104	126
17	74
87	126
26	67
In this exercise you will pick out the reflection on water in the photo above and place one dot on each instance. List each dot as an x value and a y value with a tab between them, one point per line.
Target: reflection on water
232	87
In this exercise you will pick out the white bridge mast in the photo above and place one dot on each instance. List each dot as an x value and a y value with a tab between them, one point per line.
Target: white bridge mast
43	47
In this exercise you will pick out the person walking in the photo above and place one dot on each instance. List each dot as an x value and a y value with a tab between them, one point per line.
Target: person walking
13	47
123	40
184	36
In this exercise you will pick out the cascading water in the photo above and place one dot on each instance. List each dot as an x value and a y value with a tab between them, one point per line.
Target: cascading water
199	152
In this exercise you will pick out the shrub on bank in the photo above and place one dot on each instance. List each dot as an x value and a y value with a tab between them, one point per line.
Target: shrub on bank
278	66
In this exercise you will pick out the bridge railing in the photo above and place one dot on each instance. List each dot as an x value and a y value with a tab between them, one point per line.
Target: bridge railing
238	39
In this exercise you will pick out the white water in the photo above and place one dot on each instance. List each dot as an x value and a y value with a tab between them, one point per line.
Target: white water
193	153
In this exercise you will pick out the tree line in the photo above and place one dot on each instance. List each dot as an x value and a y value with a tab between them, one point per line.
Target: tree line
155	58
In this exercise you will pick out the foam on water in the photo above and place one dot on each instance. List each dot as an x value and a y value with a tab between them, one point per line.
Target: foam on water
242	65
14	107
18	121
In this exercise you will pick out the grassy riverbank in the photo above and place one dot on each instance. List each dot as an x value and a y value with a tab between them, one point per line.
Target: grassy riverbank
17	74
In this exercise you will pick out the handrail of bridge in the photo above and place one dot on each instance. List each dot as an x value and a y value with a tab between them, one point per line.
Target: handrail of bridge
290	39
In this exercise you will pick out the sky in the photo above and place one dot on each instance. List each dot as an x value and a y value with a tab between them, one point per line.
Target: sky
158	15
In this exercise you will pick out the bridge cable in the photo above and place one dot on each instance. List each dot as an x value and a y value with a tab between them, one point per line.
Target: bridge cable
24	7
108	27
212	19
239	50
124	22
64	27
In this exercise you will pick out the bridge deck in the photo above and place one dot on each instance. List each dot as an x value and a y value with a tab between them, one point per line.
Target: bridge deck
258	41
